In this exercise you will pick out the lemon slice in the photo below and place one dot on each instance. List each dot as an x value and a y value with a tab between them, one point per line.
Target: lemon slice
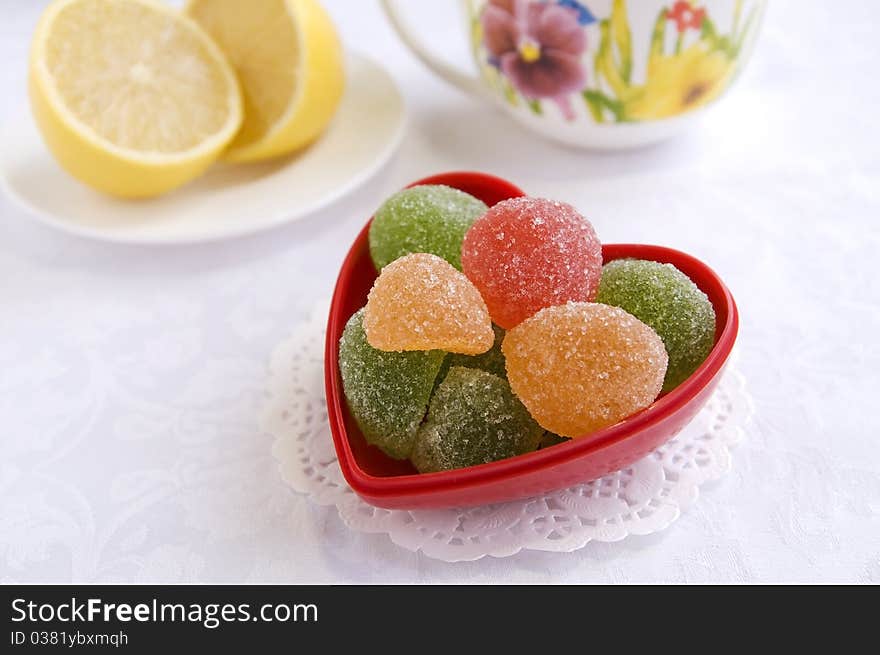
288	59
131	97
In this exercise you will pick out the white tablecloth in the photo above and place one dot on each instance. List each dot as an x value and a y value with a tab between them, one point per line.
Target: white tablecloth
130	377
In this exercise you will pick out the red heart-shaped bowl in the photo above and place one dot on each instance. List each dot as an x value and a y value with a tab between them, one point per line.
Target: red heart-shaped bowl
390	483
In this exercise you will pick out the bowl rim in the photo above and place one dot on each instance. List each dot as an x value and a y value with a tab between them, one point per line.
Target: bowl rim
661	409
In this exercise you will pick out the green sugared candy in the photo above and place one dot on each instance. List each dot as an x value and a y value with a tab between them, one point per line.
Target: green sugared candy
387	392
491	361
474	418
667	300
429	218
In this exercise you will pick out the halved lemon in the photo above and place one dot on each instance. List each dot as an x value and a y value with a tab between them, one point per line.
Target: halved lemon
289	63
132	97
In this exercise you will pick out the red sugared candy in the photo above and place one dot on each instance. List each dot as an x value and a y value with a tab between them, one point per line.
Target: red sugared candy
525	254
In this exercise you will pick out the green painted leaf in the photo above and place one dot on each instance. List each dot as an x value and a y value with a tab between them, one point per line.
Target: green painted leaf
595	107
657	35
737	14
709	31
598	100
740	39
622	39
510	95
606	67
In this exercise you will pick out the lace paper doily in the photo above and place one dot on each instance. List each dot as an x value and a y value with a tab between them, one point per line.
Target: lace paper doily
644	498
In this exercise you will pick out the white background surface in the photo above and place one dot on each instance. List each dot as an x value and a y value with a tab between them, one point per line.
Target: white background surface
130	377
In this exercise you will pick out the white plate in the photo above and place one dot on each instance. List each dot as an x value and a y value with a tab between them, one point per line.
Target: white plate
229	200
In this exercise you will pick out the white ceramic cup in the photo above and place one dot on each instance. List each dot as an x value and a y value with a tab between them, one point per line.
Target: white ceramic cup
603	74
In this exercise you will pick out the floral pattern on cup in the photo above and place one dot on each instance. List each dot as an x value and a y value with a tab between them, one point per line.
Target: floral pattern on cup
538	46
538	51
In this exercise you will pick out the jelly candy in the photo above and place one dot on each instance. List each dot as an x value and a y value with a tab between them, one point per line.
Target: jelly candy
420	302
667	300
491	361
427	218
581	366
528	253
387	393
473	419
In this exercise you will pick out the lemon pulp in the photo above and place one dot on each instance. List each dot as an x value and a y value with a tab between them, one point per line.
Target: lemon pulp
288	60
131	97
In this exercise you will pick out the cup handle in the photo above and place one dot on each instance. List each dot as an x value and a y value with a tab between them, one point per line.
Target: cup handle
470	84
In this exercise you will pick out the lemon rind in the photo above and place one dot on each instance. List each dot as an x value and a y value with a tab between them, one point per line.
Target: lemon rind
207	147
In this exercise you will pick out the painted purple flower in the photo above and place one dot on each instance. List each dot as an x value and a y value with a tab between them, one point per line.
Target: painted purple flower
538	46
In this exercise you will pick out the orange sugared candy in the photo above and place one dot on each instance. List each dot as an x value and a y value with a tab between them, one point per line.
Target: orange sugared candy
421	302
583	366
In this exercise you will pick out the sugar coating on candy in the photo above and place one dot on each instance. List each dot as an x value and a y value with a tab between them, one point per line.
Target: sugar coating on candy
473	419
491	361
387	392
525	254
667	300
420	302
427	218
580	366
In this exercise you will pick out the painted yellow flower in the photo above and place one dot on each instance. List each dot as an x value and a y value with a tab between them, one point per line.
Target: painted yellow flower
679	83
694	72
